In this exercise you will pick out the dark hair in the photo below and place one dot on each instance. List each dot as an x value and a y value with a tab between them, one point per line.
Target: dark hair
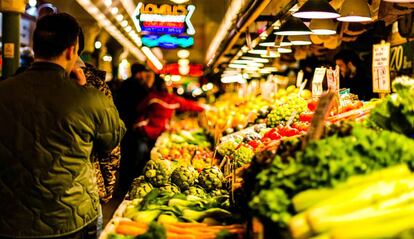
81	41
136	67
348	56
159	84
53	34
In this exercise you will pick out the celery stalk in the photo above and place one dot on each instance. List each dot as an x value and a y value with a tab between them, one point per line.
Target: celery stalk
309	198
355	203
387	226
299	227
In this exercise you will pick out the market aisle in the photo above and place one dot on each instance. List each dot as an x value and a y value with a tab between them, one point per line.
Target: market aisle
109	208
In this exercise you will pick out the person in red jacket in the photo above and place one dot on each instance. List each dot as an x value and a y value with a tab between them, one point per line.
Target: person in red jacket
158	109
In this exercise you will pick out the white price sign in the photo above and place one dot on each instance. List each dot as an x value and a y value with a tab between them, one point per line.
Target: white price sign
381	68
317	80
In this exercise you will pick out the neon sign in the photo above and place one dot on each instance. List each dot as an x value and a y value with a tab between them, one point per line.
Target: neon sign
164	19
167	41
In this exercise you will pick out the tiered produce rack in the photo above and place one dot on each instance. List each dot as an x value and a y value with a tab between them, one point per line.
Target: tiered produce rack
291	166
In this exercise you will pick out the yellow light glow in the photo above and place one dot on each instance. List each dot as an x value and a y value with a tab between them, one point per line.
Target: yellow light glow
183	53
152	57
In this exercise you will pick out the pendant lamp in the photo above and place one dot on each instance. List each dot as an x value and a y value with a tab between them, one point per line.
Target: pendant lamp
300	40
260	50
284	50
271	41
355	11
316	9
293	26
254	57
323	26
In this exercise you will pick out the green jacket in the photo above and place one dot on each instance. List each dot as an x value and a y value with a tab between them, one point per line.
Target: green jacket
48	127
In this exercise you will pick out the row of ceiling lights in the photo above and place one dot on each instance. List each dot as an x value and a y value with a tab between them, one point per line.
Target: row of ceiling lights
294	32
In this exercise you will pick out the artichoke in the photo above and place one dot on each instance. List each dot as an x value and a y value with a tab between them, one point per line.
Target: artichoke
218	193
141	191
184	177
196	191
158	172
139	188
211	178
169	188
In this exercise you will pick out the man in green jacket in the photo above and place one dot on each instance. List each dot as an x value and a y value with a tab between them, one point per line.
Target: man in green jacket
49	126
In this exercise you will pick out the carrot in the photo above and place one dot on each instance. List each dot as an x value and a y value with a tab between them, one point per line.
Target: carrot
133	224
188	224
129	230
178	230
180	236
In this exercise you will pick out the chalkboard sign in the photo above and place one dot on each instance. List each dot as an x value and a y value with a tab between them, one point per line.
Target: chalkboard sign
402	57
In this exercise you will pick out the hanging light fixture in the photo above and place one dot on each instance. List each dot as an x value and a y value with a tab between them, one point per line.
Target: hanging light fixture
300	40
284	50
260	50
253	57
271	54
271	41
323	26
355	11
293	27
316	9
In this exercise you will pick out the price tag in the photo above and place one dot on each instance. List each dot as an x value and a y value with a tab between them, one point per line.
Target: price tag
318	121
299	79
330	79
317	80
381	68
337	77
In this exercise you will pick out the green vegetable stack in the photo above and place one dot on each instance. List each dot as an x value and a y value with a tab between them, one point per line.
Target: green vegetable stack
184	177
139	188
396	112
211	178
326	163
158	172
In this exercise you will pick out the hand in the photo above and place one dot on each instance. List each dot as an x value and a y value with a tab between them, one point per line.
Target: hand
80	77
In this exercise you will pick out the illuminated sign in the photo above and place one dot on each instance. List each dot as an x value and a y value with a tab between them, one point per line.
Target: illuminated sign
167	41
164	19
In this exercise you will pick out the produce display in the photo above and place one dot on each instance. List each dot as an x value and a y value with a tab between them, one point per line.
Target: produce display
265	168
396	112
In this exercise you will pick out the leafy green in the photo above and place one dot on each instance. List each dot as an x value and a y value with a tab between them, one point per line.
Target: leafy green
325	163
395	113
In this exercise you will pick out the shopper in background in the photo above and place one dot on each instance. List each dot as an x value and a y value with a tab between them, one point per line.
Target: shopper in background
132	92
158	109
353	74
49	126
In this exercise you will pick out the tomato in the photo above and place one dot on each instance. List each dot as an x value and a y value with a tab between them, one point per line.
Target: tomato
312	105
306	116
275	136
254	143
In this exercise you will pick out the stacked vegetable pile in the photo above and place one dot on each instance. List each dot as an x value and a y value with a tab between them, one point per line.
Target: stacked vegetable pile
396	112
183	216
377	205
171	178
325	163
184	147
